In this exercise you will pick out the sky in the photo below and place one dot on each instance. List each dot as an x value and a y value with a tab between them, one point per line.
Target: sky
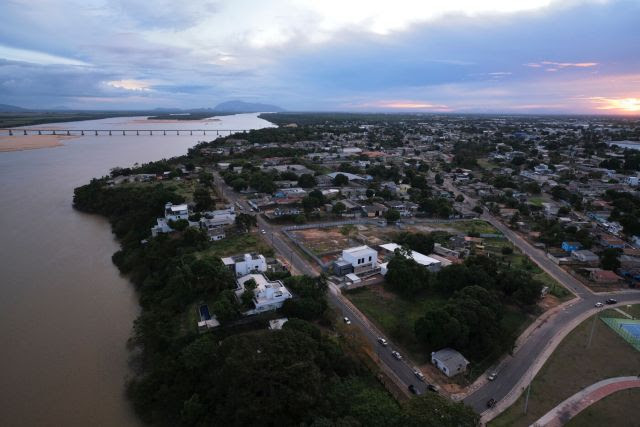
459	56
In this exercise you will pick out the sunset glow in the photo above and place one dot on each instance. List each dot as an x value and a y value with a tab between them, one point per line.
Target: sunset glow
621	105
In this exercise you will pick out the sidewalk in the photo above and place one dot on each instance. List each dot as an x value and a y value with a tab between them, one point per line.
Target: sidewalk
572	406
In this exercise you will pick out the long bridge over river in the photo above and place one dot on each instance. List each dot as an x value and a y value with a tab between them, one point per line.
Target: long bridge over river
116	132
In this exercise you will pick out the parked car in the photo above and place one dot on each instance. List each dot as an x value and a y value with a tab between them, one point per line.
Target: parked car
383	341
418	374
434	388
263	231
491	403
396	355
347	320
413	389
599	304
611	301
493	376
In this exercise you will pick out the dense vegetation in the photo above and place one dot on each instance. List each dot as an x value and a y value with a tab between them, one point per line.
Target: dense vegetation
240	373
475	292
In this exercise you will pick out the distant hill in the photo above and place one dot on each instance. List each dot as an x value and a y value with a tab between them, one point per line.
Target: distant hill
6	108
246	107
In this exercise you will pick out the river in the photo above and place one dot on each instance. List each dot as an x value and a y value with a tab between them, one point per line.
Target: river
65	312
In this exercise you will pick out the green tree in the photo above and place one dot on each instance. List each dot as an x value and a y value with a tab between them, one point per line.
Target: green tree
203	199
307	181
609	259
339	208
433	410
340	180
392	215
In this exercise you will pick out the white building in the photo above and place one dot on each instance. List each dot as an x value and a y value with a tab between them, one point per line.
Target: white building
175	212
449	361
245	264
362	258
432	264
268	295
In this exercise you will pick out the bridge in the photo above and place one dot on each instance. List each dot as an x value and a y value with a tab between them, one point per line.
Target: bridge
121	132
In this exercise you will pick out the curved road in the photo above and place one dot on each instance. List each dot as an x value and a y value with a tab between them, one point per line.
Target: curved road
516	371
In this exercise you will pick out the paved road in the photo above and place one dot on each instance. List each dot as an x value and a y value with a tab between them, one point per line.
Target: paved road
534	350
586	397
400	371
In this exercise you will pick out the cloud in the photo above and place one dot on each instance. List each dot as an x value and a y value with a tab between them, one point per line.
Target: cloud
35	57
555	66
135	85
618	105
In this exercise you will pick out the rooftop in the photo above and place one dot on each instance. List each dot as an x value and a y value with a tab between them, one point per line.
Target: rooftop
416	256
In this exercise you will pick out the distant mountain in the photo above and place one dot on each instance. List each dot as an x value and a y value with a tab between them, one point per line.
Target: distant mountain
6	108
246	107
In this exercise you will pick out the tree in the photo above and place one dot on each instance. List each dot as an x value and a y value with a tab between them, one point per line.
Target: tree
249	293
179	225
339	208
340	180
439	179
238	184
459	198
433	410
246	221
203	199
405	276
609	259
437	328
392	215
307	181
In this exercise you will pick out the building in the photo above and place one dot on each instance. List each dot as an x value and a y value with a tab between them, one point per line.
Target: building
242	265
604	276
585	256
363	259
428	262
571	246
449	361
268	295
609	241
175	212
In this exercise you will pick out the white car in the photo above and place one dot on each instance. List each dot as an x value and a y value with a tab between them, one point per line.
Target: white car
382	341
263	231
418	374
493	376
396	355
599	304
347	321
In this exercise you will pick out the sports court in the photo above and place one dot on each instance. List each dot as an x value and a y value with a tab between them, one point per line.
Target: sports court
627	328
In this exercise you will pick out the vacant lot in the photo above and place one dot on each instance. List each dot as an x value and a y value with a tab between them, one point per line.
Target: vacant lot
396	316
572	367
238	244
322	240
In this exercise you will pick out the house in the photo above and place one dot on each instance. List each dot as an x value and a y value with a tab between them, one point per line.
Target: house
268	295
242	265
449	361
363	259
277	324
374	210
599	275
571	246
342	267
428	262
585	256
609	241
175	212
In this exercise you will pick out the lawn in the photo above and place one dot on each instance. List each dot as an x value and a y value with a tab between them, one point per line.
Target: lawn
396	317
613	410
473	226
536	201
238	244
572	367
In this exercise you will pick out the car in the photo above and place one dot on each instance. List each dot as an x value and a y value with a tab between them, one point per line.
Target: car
493	376
611	301
418	374
347	320
413	389
599	304
491	403
396	355
434	388
383	342
263	231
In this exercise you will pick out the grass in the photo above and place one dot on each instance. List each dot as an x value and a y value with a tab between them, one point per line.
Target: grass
473	226
613	410
572	367
536	201
238	244
486	164
396	317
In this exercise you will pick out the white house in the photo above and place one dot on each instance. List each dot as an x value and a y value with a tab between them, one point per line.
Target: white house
242	265
432	264
449	361
268	295
175	212
362	258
